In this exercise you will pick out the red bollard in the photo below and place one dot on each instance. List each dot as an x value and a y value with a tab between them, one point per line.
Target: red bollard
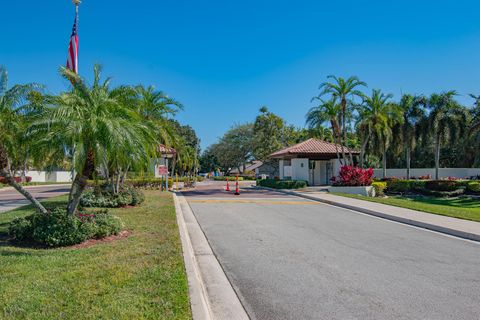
237	191
228	186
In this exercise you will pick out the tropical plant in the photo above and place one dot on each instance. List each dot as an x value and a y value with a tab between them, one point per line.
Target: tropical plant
99	126
413	113
377	115
327	112
15	113
345	90
268	134
446	121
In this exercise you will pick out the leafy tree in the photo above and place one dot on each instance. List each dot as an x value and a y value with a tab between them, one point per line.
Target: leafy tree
234	149
15	115
268	134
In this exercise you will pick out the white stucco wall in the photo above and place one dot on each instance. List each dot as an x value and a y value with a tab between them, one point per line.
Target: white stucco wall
54	176
442	172
300	169
280	169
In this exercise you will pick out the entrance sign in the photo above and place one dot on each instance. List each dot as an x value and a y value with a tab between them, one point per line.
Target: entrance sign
162	170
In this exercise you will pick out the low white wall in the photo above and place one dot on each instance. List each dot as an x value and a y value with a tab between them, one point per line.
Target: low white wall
54	176
442	172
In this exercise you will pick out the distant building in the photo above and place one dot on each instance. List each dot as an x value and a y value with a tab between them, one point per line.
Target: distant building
313	160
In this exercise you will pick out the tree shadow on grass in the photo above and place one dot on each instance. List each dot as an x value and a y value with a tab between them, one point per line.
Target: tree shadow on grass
461	202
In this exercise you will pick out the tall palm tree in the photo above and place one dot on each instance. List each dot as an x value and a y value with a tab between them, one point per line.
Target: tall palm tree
13	119
413	113
345	90
99	124
377	116
327	112
446	121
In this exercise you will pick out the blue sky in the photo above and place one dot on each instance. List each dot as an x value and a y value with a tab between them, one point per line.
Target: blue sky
225	59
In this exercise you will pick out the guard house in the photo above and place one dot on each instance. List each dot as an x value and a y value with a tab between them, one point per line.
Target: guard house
161	164
313	160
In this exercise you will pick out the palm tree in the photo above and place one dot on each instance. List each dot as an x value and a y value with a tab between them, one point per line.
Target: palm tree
413	113
327	112
446	121
377	115
13	118
99	126
345	90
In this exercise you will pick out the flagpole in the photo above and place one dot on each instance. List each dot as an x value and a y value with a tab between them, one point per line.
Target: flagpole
76	3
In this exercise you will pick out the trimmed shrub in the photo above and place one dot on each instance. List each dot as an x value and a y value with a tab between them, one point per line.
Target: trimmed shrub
230	178
473	186
442	185
57	229
442	194
379	187
282	184
353	176
99	198
402	186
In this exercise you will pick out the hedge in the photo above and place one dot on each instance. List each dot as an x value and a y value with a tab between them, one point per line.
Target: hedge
230	178
473	186
282	184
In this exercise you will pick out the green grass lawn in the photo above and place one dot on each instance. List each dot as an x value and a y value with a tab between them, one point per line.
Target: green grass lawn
139	277
463	208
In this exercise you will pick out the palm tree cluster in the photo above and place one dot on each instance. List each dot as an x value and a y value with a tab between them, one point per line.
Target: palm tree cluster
96	129
416	130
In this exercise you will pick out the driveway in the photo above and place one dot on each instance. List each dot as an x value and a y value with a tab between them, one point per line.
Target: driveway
10	199
290	258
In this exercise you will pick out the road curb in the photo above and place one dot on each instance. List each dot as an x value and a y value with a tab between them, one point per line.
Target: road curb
433	227
211	294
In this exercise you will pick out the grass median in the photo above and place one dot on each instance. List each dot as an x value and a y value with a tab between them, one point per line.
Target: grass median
462	207
141	276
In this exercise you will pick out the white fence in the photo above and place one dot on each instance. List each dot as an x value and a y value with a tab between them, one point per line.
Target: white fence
442	172
53	176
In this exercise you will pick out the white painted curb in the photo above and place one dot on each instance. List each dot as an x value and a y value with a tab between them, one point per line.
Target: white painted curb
211	294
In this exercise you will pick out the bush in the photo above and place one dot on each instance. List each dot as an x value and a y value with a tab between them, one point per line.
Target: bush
473	186
282	184
353	176
17	179
442	185
442	194
230	178
379	187
100	198
58	229
403	186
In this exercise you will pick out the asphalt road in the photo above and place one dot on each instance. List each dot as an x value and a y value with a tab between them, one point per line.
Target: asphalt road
289	258
11	199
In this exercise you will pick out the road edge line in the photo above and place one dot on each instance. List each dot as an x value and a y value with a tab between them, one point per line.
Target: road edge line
211	293
415	223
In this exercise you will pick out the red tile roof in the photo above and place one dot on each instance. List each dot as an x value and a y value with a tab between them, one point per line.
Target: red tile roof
311	147
163	149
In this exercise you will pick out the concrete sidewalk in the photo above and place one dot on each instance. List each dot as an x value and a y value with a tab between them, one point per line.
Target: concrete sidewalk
452	226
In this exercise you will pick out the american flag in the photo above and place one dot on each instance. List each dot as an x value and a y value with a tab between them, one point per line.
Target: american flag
72	60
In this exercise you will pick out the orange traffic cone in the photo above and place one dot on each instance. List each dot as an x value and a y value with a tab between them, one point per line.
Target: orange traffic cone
237	191
228	186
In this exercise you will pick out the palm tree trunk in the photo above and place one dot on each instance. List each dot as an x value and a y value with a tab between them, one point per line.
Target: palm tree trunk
337	140
11	181
80	183
408	156
437	155
384	161
362	150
